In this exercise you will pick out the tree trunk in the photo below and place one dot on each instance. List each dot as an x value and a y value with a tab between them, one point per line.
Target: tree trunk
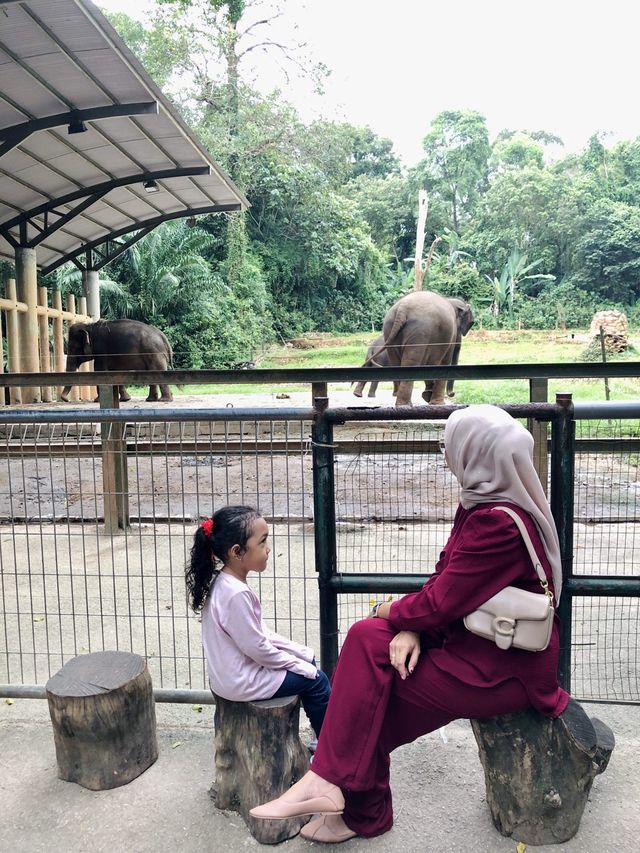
258	757
538	772
104	721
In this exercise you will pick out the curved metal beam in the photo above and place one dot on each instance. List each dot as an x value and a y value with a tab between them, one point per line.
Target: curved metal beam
98	190
17	133
147	225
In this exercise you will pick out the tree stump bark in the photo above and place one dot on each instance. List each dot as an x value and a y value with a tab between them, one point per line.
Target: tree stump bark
104	719
538	772
259	756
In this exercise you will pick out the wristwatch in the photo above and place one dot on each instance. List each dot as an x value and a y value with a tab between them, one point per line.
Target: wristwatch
374	610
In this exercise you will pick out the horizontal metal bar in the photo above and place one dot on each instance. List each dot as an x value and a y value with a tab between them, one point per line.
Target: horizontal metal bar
160	694
541	411
612	410
357	582
55	416
574	370
601	585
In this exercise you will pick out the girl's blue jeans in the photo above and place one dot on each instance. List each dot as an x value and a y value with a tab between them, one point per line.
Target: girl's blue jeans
313	692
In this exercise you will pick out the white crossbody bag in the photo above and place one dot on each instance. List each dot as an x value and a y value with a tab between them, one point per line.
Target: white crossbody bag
514	617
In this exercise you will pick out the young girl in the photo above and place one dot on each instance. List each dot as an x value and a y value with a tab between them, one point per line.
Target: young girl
246	661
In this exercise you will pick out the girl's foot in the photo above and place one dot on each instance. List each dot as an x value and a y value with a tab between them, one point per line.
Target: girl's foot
311	795
329	829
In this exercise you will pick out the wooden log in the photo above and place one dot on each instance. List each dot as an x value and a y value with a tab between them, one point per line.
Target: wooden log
43	335
259	756
58	338
13	341
538	772
104	720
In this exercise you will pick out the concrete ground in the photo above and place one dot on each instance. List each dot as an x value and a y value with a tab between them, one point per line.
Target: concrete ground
437	782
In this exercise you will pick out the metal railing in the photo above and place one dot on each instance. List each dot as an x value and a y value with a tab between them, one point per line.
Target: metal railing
71	582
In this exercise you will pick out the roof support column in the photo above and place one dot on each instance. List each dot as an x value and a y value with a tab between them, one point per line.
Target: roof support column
90	279
27	292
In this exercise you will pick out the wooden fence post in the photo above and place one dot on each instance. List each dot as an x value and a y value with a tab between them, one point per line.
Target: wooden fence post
71	308
87	392
538	393
115	473
58	338
43	335
13	341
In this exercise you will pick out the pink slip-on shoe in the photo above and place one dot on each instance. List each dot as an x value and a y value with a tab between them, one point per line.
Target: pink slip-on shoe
317	830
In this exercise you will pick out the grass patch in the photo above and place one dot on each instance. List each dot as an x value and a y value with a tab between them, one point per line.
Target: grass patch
479	347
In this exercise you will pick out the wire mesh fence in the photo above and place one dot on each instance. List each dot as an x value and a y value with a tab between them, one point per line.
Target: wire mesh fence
69	585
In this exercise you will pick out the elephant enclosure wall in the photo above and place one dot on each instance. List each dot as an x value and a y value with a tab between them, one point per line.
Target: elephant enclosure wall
67	587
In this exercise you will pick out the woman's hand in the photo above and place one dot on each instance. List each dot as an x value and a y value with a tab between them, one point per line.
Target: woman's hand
404	651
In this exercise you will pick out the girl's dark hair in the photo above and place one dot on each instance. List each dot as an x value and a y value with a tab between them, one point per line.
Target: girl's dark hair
232	525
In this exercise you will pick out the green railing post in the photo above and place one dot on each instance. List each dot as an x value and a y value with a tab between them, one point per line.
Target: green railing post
324	517
562	477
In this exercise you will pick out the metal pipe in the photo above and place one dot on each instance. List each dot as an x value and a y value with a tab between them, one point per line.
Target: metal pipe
325	538
574	370
160	694
54	416
562	501
613	410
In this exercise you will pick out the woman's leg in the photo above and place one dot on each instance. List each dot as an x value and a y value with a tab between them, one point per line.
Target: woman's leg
314	694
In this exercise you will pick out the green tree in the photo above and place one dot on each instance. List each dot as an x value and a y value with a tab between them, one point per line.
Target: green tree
456	160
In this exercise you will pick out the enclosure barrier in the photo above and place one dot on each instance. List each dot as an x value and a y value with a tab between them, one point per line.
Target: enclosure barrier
72	583
28	341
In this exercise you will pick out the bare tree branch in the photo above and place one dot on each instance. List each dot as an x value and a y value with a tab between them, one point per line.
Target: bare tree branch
261	23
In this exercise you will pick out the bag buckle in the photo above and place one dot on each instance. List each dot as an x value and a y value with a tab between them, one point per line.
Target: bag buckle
504	628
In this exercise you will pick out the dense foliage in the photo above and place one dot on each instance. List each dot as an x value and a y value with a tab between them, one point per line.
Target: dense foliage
329	238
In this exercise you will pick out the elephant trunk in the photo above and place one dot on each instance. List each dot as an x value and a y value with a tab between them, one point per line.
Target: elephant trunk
73	363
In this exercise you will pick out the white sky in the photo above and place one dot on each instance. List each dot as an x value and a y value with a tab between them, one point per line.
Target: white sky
563	66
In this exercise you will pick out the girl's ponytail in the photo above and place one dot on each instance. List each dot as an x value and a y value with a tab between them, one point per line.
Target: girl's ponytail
229	526
201	569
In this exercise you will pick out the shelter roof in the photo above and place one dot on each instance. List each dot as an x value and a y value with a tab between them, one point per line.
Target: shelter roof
83	129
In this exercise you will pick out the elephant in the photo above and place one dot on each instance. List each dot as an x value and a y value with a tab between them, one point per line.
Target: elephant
120	345
375	360
424	328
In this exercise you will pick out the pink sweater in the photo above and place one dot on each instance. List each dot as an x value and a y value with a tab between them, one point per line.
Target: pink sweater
246	661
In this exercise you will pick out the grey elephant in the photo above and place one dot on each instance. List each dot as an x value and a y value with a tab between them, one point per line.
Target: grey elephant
120	345
421	329
377	356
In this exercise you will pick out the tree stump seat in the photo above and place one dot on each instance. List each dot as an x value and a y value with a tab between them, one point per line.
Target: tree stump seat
259	756
538	772
104	721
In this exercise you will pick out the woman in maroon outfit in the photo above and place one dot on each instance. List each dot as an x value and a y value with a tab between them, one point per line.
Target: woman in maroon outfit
415	667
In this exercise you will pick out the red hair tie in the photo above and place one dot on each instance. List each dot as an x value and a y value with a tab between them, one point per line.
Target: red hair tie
207	526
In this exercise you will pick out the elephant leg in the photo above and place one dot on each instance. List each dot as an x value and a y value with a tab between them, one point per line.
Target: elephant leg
437	394
123	394
403	397
428	391
153	394
165	394
357	391
372	389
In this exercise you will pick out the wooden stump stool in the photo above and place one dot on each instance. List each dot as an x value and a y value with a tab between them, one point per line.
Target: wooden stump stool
104	719
259	756
538	772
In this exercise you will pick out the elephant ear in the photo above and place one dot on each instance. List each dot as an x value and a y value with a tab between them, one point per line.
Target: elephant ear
464	315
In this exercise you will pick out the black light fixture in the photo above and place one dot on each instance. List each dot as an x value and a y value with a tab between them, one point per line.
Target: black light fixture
151	187
190	222
76	126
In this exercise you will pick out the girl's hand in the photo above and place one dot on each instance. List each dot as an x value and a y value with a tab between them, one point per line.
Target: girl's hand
404	651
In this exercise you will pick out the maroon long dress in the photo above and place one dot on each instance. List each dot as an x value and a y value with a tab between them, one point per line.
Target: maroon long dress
458	675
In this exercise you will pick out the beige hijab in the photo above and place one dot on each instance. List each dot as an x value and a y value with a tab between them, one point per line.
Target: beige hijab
491	456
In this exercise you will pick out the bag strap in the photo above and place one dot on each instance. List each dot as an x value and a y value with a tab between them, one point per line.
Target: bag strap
544	583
